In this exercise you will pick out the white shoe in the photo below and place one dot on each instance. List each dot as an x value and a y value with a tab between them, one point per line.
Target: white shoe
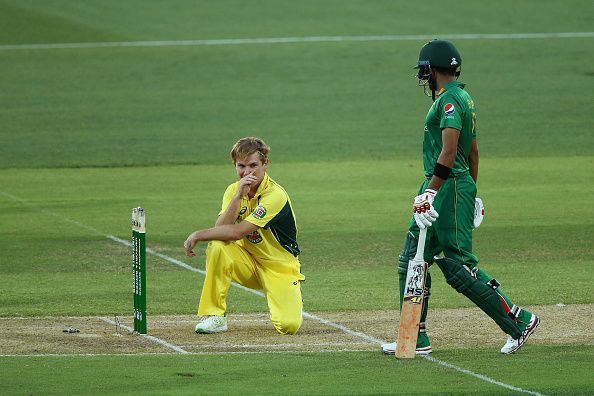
390	349
513	345
212	324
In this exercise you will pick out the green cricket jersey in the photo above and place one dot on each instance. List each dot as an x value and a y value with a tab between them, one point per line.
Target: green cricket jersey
453	108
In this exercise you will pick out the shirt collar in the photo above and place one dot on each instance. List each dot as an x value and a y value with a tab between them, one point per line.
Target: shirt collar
450	85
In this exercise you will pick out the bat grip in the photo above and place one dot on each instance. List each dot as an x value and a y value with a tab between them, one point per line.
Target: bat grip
421	245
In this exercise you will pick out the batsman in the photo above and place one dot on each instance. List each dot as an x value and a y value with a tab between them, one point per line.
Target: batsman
445	203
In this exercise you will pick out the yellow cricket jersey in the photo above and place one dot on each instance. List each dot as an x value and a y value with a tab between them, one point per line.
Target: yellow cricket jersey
271	211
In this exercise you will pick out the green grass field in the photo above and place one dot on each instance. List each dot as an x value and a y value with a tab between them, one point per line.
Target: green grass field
88	133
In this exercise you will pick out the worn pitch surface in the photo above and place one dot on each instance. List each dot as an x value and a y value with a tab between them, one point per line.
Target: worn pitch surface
448	328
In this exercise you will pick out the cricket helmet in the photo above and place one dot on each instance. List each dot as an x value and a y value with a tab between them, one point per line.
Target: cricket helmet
437	54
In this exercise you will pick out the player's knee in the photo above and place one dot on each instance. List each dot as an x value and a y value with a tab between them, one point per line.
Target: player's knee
456	274
288	325
402	268
215	248
408	252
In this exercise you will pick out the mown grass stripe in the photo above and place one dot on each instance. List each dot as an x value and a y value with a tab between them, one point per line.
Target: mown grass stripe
293	40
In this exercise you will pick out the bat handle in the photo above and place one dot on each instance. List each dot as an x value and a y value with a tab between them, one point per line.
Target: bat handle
421	245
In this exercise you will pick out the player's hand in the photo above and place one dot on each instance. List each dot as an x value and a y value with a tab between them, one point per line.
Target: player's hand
245	183
189	245
423	210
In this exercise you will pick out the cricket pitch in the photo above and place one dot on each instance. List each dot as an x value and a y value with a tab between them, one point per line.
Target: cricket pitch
253	333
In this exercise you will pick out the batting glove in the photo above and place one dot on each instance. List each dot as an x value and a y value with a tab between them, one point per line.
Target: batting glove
423	210
479	212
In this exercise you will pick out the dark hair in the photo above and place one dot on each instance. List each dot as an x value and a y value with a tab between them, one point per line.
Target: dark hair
446	70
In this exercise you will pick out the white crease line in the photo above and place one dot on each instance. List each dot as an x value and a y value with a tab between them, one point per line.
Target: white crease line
480	376
344	328
148	337
305	314
90	354
181	263
47	212
276	345
188	353
53	318
290	40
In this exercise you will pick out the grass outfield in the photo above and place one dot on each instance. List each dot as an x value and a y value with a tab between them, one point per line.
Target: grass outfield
338	373
179	105
351	230
88	133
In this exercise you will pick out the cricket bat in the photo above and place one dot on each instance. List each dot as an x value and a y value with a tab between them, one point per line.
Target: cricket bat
412	304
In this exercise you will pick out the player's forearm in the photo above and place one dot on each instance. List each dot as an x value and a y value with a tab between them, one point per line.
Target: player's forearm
229	216
446	158
473	161
473	165
225	232
445	161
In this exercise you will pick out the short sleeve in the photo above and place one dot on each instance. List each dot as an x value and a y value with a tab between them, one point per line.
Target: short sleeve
227	197
450	114
268	208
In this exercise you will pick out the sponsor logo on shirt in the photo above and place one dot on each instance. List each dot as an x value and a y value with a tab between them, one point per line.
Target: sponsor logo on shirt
449	109
260	212
254	237
241	213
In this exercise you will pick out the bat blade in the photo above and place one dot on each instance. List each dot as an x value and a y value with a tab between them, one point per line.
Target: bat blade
412	303
412	306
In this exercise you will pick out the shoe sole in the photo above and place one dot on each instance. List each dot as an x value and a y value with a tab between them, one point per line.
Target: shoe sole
528	334
201	331
419	351
424	351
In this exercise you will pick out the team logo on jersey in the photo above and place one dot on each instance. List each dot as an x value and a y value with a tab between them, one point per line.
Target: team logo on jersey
254	237
449	109
241	213
260	212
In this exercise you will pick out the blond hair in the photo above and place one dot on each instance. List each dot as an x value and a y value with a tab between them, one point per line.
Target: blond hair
247	146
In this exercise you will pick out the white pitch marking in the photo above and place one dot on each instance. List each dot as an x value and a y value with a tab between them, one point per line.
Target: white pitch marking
149	337
44	317
305	314
480	376
343	328
47	212
276	345
181	263
170	354
291	40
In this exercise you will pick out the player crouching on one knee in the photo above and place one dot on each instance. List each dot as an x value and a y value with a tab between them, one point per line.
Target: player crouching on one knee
252	243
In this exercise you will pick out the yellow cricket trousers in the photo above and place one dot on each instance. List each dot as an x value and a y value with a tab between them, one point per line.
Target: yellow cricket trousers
280	281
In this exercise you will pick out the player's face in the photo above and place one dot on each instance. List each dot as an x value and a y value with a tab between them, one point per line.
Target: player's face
252	164
426	79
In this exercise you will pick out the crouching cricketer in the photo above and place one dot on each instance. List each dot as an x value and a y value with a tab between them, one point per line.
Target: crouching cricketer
252	243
